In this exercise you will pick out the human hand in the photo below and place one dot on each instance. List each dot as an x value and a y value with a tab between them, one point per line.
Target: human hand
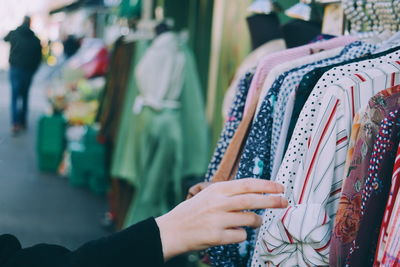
197	188
215	215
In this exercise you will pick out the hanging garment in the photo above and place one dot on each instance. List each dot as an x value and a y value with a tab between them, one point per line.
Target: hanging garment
170	133
232	122
363	135
309	166
164	60
376	190
390	212
115	89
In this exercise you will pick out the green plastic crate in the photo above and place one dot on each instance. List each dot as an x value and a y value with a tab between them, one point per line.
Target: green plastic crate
88	164
78	174
48	163
50	142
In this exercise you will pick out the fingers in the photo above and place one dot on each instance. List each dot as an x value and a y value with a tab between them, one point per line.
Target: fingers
240	219
255	201
250	185
232	236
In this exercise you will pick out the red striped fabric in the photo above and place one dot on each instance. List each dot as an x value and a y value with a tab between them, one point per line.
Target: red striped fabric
391	213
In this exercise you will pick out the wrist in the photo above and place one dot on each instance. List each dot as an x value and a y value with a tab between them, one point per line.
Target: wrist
171	236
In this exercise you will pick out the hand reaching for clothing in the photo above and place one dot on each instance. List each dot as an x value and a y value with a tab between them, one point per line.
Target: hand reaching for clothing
215	215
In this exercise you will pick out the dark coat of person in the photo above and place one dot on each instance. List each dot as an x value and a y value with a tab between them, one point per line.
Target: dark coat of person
137	246
26	51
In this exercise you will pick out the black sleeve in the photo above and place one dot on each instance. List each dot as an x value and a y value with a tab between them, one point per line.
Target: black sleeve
139	245
37	54
136	246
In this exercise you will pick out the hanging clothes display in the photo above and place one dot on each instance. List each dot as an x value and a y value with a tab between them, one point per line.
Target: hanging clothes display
323	161
230	161
256	167
321	119
169	134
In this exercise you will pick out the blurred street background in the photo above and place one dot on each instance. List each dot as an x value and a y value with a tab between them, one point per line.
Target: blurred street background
35	206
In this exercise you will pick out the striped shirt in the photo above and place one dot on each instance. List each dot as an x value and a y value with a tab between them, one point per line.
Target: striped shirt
312	169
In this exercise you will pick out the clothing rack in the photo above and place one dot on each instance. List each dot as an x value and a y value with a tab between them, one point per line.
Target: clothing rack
251	146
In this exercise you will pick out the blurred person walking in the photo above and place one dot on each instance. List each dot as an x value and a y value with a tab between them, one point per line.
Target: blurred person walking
25	58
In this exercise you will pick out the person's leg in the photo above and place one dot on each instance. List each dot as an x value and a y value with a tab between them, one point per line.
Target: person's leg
24	93
15	85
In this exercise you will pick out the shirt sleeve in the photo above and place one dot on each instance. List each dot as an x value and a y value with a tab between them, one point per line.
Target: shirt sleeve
138	245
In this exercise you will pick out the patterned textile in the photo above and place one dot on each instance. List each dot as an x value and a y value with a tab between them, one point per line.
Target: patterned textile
376	191
312	170
364	131
235	117
390	212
